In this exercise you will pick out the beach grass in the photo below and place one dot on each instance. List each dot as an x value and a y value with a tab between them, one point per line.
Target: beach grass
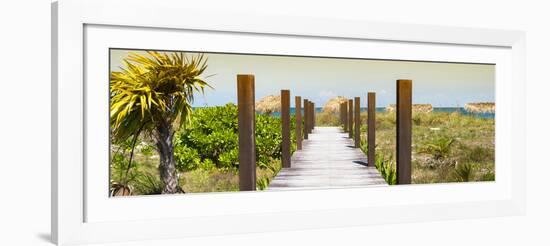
446	147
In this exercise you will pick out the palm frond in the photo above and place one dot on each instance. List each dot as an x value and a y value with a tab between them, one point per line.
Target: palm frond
154	86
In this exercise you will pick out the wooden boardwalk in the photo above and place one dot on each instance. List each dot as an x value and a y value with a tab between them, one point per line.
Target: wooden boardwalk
327	160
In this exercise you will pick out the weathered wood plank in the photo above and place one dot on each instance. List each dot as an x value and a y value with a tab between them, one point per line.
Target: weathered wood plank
328	159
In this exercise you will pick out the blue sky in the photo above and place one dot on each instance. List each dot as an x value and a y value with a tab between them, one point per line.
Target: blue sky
319	79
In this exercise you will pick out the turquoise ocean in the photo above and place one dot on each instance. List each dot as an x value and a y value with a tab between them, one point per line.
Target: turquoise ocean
435	109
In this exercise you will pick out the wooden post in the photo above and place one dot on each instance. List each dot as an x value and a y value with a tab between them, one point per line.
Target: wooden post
350	118
298	116
404	131
371	131
309	117
247	127
306	119
312	116
341	113
345	116
357	135
285	122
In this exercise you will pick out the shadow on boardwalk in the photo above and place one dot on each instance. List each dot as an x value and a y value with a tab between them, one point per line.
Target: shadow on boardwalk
327	160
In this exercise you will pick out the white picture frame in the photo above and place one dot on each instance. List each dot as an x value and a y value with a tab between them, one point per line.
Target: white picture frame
82	216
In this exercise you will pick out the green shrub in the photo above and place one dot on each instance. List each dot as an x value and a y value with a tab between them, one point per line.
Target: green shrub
213	134
186	158
268	138
119	164
262	183
266	172
207	164
364	146
210	142
229	158
147	149
387	168
439	147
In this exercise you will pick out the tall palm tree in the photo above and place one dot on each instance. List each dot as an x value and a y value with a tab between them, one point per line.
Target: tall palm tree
150	94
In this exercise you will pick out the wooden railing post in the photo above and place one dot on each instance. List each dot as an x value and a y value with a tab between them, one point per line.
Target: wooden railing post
309	117
298	116
404	130
285	122
350	118
306	119
247	127
341	113
345	107
312	116
357	135
371	131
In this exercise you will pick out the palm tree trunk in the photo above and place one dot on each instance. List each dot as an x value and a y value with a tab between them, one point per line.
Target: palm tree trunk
167	166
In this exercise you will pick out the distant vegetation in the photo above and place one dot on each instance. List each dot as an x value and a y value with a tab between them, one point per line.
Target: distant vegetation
327	118
420	108
333	104
480	107
269	104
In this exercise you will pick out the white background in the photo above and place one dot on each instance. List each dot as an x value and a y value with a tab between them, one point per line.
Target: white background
25	122
101	208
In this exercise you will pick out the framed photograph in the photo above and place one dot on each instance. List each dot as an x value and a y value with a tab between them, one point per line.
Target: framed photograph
172	125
